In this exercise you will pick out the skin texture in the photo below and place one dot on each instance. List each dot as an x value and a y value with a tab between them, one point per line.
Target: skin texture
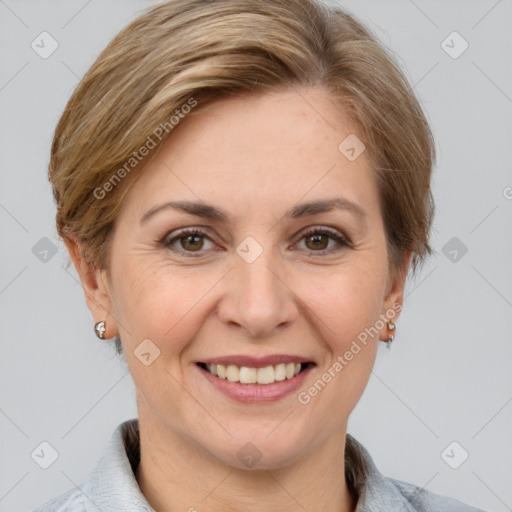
255	157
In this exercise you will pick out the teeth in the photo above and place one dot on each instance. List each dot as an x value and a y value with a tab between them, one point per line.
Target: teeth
265	375
246	375
221	370
233	373
280	372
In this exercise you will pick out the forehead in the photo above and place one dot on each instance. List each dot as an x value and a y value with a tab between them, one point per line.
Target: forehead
303	119
268	149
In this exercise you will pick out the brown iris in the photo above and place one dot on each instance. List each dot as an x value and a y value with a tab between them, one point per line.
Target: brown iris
316	243
195	242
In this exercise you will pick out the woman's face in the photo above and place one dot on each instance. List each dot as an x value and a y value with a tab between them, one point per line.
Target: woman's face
266	278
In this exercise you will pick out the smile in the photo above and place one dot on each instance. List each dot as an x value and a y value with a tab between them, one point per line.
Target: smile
250	375
249	379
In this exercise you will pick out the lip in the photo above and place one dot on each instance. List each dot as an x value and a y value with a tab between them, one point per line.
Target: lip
256	393
257	362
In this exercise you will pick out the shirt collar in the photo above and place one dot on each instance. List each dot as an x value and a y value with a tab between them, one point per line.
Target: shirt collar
112	484
376	492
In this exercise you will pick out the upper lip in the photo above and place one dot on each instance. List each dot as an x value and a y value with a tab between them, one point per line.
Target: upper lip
256	362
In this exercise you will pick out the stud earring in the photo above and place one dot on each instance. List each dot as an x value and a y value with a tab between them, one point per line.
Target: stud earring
391	327
100	329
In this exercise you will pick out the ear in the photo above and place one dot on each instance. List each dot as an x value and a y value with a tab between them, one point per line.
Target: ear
96	288
393	301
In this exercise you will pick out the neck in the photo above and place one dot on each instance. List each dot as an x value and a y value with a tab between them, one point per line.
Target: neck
174	474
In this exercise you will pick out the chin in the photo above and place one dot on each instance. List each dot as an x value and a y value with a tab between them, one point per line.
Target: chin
259	452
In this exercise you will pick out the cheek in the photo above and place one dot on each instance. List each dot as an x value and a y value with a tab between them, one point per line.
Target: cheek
159	302
346	306
346	300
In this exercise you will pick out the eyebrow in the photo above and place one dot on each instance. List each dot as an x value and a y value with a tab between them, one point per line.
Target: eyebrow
207	211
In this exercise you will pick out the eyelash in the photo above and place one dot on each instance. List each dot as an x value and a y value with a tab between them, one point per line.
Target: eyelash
342	241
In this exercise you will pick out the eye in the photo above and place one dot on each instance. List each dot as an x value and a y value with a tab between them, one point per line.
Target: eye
317	238
189	239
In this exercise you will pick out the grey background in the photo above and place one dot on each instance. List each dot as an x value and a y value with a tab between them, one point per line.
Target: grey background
448	375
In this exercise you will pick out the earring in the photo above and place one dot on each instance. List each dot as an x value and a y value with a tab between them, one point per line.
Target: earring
391	327
100	329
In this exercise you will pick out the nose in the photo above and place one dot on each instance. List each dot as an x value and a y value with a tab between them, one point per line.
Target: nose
257	299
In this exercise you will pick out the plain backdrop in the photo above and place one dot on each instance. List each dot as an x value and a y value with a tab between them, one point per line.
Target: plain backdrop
448	375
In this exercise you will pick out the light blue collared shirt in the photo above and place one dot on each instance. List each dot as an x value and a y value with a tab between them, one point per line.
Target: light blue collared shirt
112	486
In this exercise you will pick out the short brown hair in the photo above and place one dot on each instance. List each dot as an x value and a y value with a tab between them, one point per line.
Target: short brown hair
204	50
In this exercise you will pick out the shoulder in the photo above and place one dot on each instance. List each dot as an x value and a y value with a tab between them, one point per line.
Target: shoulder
378	492
422	500
111	485
70	501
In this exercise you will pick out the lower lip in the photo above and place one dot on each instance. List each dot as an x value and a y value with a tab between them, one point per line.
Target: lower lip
251	393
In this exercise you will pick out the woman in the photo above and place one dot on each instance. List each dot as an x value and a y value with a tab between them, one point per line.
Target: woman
243	187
